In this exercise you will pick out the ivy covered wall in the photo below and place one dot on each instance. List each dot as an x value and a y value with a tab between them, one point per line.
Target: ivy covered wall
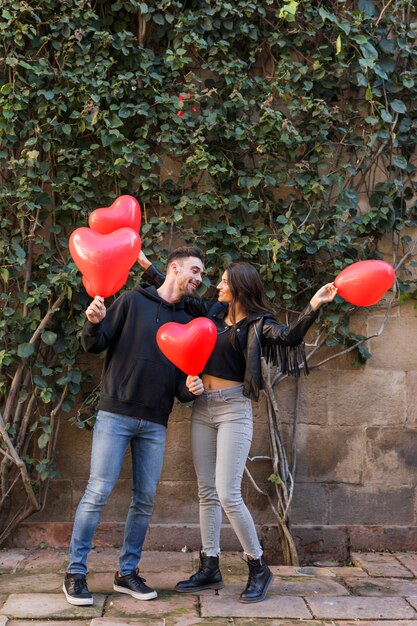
282	133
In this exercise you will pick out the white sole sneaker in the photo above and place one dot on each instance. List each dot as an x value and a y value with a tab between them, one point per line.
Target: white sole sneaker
139	596
77	601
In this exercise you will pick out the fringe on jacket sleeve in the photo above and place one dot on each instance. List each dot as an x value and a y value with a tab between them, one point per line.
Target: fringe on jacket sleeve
290	359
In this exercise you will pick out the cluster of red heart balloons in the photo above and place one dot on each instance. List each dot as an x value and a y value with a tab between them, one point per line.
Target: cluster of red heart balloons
105	252
365	282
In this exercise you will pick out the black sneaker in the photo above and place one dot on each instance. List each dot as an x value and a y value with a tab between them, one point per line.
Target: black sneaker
134	585
76	590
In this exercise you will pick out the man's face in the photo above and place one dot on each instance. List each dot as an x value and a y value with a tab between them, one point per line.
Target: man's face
188	273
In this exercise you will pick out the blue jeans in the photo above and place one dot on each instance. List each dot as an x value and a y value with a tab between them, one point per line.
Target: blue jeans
221	436
112	435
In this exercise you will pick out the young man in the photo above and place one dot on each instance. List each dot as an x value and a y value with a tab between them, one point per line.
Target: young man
138	388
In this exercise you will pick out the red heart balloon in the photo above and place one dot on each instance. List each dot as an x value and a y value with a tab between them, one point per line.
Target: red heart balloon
104	260
116	288
188	346
364	283
125	211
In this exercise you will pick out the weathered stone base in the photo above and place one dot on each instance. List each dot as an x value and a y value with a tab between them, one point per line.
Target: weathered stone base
314	543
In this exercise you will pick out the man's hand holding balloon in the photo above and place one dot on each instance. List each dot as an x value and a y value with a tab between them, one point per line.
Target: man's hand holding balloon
195	385
96	311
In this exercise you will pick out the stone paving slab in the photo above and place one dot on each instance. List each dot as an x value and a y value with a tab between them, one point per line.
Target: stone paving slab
51	605
102	582
231	563
349	607
344	571
31	583
103	560
413	601
410	562
380	564
165	605
82	622
225	605
328	571
406	622
194	621
313	570
306	587
152	561
9	559
168	580
382	586
107	560
272	622
45	561
284	570
294	587
170	621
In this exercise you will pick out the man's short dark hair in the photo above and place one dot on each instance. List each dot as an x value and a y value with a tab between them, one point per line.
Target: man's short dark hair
185	252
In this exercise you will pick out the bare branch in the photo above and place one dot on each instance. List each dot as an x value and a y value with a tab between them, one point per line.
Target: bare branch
20	465
354	346
406	256
383	11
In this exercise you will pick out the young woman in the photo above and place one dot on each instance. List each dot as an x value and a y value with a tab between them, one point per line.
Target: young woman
221	420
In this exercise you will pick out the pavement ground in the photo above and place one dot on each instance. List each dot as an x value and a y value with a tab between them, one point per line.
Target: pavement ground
378	589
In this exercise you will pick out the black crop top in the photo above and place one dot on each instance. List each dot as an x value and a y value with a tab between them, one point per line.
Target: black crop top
227	361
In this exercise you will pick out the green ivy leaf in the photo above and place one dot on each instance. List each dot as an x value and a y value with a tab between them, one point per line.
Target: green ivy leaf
368	7
398	106
40	382
25	350
49	337
400	161
43	440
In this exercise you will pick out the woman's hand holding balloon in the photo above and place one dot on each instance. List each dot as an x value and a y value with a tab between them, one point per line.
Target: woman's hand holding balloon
325	294
96	312
143	260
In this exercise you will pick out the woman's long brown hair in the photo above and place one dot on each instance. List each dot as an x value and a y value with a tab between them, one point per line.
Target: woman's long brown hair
247	289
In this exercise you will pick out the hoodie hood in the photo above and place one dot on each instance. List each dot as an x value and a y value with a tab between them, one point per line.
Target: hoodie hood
152	294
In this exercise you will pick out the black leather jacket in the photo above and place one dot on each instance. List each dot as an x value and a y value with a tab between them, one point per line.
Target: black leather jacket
261	336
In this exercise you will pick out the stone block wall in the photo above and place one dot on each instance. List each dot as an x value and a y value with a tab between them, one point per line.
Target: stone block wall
356	461
357	447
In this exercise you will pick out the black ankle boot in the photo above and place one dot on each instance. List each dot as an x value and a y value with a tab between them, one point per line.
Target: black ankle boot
207	577
260	577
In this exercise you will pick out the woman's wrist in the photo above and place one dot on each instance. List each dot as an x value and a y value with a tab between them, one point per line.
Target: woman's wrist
143	261
315	303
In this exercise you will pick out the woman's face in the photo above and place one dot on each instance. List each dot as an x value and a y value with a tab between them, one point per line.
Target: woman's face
225	295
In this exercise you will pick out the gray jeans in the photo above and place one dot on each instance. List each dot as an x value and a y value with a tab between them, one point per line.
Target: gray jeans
221	435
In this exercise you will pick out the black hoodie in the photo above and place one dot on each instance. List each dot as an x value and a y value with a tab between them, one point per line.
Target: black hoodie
137	379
